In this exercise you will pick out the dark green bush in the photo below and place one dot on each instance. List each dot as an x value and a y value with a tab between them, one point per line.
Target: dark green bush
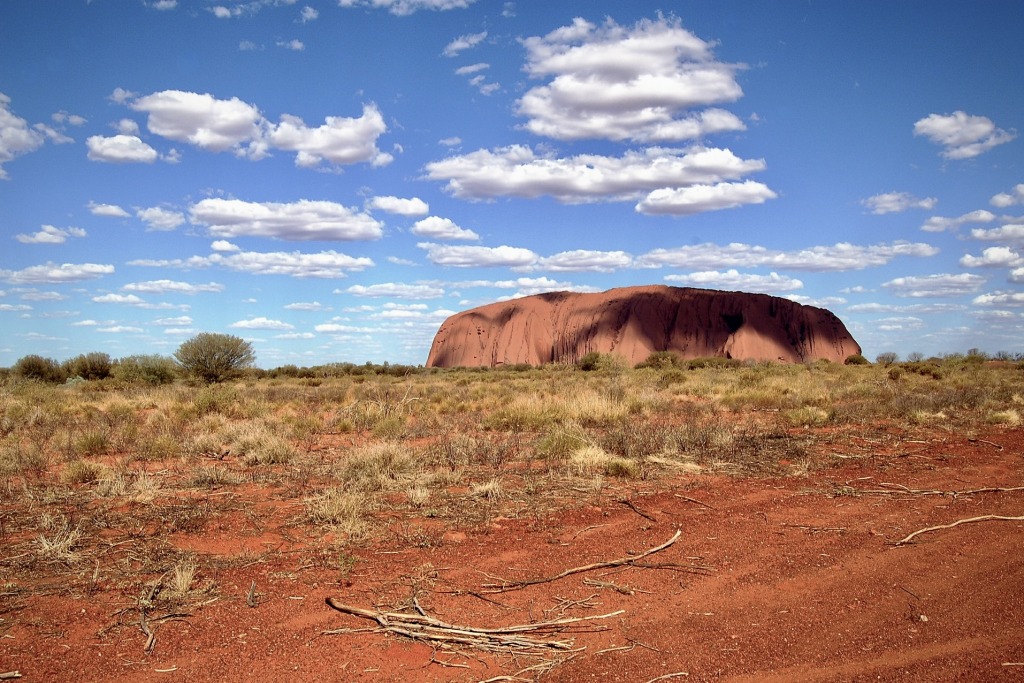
38	368
94	365
145	369
856	359
214	357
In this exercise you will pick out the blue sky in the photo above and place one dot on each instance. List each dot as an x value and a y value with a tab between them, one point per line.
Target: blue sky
331	180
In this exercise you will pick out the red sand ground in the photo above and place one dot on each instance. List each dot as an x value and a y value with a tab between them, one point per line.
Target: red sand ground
806	585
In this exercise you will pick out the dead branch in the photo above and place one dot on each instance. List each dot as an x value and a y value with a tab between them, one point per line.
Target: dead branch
698	502
969	520
900	489
632	506
677	674
9	675
518	585
439	633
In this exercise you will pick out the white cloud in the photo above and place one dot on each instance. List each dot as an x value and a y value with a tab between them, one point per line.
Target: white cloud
339	140
63	117
49	234
164	5
943	285
178	321
1001	257
202	120
1000	299
838	257
120	329
471	69
298	221
300	306
224	246
517	171
463	43
157	218
581	260
1011	232
324	264
439	228
295	335
248	46
261	323
127	127
52	273
294	44
639	83
943	224
1011	198
107	210
16	136
684	201
14	308
120	149
172	287
961	135
32	294
772	283
308	14
127	299
474	257
397	205
897	202
397	290
403	8
450	142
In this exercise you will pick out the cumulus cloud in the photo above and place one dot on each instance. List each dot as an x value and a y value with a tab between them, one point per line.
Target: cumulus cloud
1000	257
943	224
684	201
127	299
160	219
838	257
172	287
1011	232
477	257
962	135
935	286
397	205
1000	299
403	8
120	149
107	210
396	290
640	83
17	137
772	283
339	140
586	260
463	43
179	321
297	221
262	323
1011	198
224	245
49	234
439	228
294	44
897	202
324	264
305	306
57	274
219	125
520	172
308	14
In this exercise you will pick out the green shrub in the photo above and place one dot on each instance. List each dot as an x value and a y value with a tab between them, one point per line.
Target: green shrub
94	365
215	357
145	369
856	359
661	360
37	368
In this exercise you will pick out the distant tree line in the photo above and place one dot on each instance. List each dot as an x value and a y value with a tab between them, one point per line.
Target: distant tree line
210	358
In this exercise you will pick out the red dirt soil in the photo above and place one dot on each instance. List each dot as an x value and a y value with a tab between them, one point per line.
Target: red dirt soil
805	584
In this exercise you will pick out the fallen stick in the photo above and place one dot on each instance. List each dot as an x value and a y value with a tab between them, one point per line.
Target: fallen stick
698	502
519	585
628	503
677	674
969	520
426	628
17	674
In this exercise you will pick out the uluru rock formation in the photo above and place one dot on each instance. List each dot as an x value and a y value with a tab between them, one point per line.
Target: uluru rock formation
634	322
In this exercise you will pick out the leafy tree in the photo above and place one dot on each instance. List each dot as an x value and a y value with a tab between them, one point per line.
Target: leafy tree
39	368
215	357
856	359
94	365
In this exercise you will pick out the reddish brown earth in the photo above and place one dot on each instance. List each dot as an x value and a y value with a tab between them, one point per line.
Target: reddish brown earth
804	582
634	322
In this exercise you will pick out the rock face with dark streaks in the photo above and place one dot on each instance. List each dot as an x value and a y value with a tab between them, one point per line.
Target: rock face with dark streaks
634	322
